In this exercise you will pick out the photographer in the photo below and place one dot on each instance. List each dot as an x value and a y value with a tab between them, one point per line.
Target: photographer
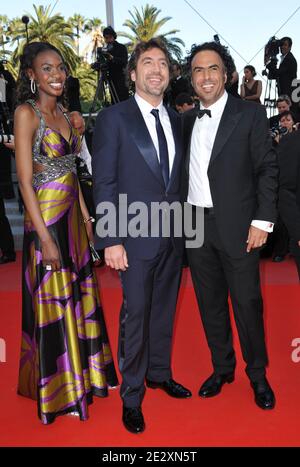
117	58
286	125
283	104
287	71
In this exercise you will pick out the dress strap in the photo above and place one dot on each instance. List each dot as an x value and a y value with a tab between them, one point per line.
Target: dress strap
41	129
35	108
65	113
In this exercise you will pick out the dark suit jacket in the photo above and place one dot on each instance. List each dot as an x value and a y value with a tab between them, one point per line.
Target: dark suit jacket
287	72
178	86
124	161
242	171
289	182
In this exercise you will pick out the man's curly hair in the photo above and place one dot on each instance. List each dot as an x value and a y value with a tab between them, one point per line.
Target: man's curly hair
221	50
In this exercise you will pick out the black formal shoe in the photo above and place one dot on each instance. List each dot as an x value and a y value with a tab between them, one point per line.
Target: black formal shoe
133	419
213	385
278	259
170	387
263	394
7	259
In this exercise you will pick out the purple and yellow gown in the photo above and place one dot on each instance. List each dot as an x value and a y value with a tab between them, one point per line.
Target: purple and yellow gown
65	352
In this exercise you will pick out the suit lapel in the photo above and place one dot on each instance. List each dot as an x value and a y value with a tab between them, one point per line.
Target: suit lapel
175	124
141	136
229	120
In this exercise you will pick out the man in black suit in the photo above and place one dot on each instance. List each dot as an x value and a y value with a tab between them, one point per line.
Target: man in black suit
231	172
287	71
179	84
117	58
142	159
289	190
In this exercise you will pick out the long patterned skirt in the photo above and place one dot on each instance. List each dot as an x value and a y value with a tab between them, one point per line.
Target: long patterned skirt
65	352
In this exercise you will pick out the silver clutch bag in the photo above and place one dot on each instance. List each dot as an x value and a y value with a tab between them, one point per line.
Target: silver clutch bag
95	257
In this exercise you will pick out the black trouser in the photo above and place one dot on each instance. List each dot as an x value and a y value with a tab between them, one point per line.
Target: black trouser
280	239
214	274
6	237
150	289
295	250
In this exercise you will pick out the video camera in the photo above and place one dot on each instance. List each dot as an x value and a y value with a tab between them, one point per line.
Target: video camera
101	63
272	49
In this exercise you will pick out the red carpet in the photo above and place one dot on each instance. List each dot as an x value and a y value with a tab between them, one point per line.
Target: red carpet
230	419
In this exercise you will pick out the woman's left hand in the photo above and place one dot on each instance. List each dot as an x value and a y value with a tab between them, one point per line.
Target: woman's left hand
77	122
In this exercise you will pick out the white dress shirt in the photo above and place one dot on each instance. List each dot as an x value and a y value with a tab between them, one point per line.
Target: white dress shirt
202	142
150	121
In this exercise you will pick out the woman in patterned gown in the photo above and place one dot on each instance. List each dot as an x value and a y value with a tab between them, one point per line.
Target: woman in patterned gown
65	352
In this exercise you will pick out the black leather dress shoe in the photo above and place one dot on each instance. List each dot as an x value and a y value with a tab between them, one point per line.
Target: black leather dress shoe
213	385
7	259
133	419
263	394
170	387
278	259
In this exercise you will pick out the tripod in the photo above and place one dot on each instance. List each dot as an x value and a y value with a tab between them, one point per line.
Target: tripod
271	95
104	84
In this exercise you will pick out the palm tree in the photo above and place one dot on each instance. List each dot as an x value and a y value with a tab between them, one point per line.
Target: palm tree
145	24
16	30
88	81
46	28
93	28
3	35
78	23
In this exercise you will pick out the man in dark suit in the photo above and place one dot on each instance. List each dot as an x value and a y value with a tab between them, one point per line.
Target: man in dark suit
289	190
117	58
230	172
283	104
287	71
142	158
179	84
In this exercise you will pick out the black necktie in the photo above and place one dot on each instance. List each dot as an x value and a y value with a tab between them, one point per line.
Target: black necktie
202	112
163	147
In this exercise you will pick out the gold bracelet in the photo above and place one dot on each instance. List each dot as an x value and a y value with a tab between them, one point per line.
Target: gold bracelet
90	219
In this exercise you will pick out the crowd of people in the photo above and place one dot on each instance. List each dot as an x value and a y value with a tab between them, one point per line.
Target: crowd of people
173	141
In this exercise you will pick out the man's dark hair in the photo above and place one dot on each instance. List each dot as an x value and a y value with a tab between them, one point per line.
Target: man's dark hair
141	47
288	39
284	98
287	113
178	66
109	31
184	98
222	51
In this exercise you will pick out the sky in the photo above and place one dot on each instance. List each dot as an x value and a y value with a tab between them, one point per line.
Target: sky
244	27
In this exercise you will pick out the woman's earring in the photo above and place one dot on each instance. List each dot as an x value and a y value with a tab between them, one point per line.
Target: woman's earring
32	86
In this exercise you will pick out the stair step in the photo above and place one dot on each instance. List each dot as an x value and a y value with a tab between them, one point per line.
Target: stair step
18	240
15	220
18	232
